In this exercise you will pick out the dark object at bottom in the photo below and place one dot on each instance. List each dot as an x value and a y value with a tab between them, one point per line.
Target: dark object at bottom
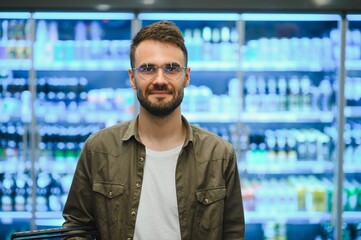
55	233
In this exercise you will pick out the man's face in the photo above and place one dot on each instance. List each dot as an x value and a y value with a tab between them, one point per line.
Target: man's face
159	95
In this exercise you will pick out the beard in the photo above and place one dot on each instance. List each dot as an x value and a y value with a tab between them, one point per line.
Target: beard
160	109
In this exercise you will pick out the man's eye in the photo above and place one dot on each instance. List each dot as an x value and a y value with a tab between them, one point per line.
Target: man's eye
147	69
172	69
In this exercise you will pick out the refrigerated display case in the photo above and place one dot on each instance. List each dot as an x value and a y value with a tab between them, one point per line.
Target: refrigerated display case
351	190
78	66
290	73
267	83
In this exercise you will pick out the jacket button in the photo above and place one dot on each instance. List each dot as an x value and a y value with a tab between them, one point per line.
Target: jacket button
110	194
141	159
205	201
137	185
133	213
129	238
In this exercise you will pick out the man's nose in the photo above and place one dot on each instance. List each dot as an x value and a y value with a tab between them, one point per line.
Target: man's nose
160	78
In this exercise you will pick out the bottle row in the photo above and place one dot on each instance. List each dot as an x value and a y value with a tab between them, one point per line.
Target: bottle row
49	88
302	150
297	53
285	146
16	192
353	91
294	93
55	140
56	96
87	42
82	30
298	193
292	194
280	145
274	230
271	94
350	231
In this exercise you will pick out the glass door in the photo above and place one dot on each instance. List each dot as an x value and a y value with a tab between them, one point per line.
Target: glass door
289	74
351	205
15	122
81	62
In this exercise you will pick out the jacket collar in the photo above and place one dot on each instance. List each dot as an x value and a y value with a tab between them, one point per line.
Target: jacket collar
132	131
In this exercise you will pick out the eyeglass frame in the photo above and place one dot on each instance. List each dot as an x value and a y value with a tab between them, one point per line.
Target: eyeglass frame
160	67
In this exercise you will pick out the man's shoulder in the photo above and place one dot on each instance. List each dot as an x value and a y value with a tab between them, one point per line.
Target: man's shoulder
200	133
111	133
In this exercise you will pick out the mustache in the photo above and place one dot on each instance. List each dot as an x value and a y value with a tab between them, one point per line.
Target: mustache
159	88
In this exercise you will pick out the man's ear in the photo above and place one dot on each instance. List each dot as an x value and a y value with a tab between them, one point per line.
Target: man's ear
132	79
187	77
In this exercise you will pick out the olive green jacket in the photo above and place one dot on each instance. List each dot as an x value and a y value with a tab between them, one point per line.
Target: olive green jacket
107	183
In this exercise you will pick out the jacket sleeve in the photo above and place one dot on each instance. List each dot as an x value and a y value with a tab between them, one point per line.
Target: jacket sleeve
233	225
78	209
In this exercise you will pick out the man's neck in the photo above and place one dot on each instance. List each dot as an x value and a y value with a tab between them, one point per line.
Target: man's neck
161	133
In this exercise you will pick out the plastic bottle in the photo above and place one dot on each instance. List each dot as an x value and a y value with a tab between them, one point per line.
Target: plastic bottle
305	97
226	51
197	44
251	99
294	96
207	45
272	99
282	93
216	41
325	94
261	93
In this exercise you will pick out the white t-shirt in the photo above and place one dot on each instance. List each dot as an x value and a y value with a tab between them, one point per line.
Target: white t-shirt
157	217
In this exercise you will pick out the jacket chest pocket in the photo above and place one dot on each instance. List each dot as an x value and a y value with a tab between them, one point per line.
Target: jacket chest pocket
210	207
108	198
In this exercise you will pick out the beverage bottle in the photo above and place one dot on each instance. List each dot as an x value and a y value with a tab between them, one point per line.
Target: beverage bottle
272	99
270	140
294	96
207	45
40	55
306	96
323	147
197	44
311	139
346	234
281	147
7	189
188	39
282	93
235	45
269	231
42	191
20	192
55	193
216	41
251	99
234	92
5	30
96	32
226	51
325	94
301	145
358	231
261	92
291	146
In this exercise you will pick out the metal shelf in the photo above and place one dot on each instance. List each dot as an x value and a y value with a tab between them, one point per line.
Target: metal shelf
297	217
285	117
297	167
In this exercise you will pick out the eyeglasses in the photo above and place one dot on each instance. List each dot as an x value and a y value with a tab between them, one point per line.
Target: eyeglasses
171	71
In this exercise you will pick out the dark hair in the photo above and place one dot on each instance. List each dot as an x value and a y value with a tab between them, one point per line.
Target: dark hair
163	31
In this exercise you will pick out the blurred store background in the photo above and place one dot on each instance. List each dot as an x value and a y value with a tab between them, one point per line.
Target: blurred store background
283	87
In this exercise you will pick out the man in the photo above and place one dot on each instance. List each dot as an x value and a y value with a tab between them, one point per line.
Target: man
157	176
